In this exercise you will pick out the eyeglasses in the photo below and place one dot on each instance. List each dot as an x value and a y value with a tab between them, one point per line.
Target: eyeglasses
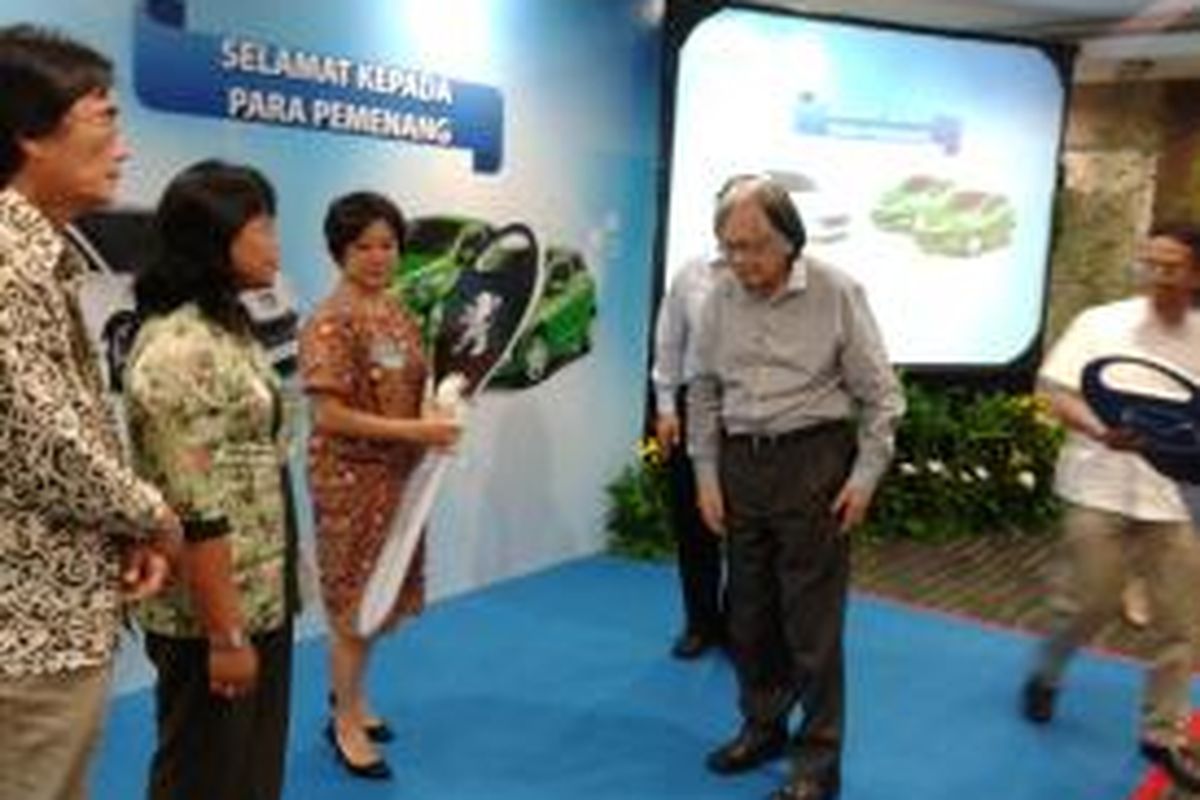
735	250
1157	268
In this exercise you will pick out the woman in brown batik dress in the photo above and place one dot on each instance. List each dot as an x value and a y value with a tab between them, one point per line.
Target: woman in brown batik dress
363	367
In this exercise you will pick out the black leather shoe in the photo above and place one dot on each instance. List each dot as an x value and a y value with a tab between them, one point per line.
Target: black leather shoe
1037	700
806	788
691	644
377	770
1180	762
752	746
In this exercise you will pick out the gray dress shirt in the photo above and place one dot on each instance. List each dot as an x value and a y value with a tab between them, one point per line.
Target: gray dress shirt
809	355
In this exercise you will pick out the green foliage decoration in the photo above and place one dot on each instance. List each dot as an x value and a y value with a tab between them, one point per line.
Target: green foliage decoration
967	464
638	519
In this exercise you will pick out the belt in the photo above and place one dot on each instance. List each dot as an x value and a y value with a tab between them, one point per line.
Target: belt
765	441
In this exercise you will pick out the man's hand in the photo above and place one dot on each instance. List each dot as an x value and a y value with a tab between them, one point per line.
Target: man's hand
1072	410
666	431
712	507
169	536
1122	439
232	671
146	566
144	571
850	507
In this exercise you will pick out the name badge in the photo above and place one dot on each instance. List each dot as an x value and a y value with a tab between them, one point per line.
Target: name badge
388	354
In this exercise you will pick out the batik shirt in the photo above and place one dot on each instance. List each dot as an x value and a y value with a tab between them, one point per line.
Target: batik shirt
66	497
205	424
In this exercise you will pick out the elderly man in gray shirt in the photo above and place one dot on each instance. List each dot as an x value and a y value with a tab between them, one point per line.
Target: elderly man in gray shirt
793	409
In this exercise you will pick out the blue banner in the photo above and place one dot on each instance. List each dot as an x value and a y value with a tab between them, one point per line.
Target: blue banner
247	79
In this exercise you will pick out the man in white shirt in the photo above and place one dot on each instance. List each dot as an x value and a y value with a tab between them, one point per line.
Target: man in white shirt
699	549
1120	510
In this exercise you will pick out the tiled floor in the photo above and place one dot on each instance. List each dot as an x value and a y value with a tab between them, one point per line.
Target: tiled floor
1002	579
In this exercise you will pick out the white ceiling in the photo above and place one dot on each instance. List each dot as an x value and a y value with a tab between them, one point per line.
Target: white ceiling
1002	15
1119	39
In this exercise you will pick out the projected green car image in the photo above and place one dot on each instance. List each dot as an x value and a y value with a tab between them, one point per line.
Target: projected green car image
966	224
900	206
561	329
436	248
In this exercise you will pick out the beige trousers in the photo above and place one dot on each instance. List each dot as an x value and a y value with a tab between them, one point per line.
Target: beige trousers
1100	550
49	725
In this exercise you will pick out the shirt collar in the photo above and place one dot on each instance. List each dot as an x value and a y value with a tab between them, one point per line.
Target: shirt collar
797	281
798	277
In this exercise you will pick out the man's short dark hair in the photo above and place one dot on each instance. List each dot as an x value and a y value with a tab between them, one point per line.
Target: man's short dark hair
349	215
42	74
774	201
1186	233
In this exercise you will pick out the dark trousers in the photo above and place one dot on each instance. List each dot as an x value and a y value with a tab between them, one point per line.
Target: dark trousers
788	578
699	550
210	747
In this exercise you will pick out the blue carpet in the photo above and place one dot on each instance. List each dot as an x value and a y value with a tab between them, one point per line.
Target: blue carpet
558	686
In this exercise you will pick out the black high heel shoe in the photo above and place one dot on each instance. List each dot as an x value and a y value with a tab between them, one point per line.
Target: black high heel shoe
378	732
377	770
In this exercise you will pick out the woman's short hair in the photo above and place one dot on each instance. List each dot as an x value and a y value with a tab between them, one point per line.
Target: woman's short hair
200	214
351	214
774	200
42	74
